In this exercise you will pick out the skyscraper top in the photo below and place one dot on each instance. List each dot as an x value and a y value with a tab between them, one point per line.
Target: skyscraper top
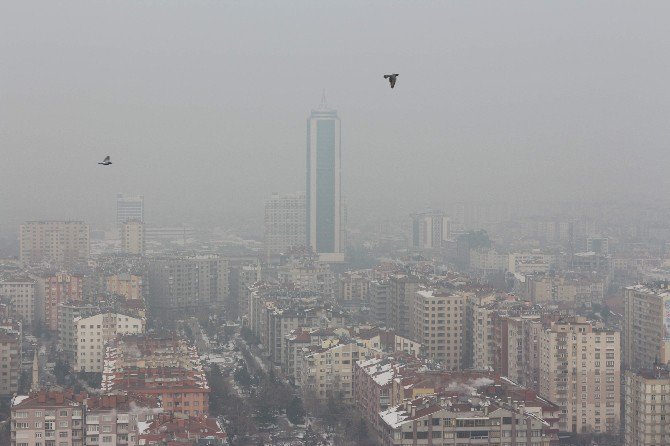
323	107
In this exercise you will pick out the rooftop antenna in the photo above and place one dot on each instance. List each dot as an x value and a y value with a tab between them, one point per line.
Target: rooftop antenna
324	103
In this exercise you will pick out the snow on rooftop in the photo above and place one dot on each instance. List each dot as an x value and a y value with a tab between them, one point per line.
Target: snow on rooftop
18	399
394	417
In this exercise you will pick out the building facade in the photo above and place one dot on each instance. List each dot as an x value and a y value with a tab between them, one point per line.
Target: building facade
93	332
129	207
646	330
132	237
580	371
21	293
437	322
647	414
58	242
285	218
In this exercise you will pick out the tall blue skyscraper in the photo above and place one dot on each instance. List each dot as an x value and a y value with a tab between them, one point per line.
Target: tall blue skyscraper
323	200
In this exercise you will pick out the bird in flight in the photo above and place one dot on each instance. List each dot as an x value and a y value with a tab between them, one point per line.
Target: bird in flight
391	78
106	161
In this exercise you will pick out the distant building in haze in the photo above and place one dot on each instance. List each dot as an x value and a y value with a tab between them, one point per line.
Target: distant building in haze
61	243
285	220
132	237
428	230
129	207
324	201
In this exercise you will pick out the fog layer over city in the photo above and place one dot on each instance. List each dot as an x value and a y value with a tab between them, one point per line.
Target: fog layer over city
202	105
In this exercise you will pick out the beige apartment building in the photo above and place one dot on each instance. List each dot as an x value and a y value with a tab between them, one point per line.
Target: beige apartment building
329	370
580	371
128	285
21	292
92	333
646	329
132	237
437	322
57	242
647	412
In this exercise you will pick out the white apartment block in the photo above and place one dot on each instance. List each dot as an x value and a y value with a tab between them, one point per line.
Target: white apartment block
93	332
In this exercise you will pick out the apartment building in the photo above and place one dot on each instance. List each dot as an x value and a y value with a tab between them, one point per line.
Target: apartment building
647	407
60	243
352	288
401	291
10	356
128	285
116	419
21	292
580	371
60	288
646	329
132	237
328	370
451	420
437	322
162	367
378	299
47	418
285	223
188	284
94	332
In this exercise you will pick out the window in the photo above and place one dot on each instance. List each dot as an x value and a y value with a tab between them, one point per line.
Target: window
107	439
21	415
62	424
106	429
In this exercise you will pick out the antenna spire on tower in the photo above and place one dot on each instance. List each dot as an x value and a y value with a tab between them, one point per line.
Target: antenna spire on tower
324	103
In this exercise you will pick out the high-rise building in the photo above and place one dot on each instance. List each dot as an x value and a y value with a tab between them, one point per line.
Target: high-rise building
58	242
437	321
580	371
324	202
646	330
132	237
285	220
60	288
197	283
428	230
129	207
647	415
401	290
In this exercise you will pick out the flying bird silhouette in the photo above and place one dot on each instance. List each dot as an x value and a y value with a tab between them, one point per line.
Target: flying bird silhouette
106	161
391	78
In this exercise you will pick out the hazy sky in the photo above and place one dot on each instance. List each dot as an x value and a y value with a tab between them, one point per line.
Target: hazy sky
203	104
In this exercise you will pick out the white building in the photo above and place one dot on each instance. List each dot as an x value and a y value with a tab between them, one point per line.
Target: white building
93	332
285	221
